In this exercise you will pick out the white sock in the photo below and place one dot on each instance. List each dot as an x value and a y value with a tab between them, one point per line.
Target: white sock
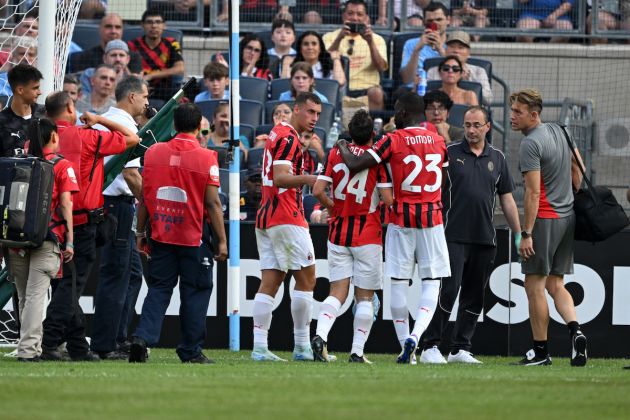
328	311
301	309
428	303
398	307
363	319
263	306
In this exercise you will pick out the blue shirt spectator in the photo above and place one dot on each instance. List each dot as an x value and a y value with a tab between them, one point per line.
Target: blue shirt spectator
426	52
206	96
287	96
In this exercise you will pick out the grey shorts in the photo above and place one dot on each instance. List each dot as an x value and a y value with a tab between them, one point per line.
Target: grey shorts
553	247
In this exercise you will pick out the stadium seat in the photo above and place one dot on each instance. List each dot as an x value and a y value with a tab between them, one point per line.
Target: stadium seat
278	86
456	115
253	88
224	204
247	131
224	180
329	88
309	202
156	103
133	32
255	157
222	157
263	129
464	84
327	117
398	46
207	108
251	112
225	54
86	35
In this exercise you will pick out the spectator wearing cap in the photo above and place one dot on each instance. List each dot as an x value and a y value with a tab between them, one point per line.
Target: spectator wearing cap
458	44
116	55
101	97
162	61
111	28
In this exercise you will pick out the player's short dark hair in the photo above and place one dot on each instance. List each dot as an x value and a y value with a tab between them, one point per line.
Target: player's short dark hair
439	97
103	66
151	13
411	103
479	108
215	71
22	75
361	127
56	103
282	23
302	97
39	131
130	84
186	118
434	6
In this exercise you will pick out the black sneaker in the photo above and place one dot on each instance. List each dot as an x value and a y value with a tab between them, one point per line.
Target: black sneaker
320	349
113	355
358	359
86	357
531	359
199	359
578	349
35	359
52	356
138	351
124	346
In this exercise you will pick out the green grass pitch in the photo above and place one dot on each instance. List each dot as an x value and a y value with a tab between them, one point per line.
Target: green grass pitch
236	387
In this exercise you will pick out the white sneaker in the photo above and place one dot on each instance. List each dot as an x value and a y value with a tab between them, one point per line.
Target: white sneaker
433	356
262	354
463	356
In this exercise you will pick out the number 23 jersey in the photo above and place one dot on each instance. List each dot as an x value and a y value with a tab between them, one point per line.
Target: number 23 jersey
414	157
281	206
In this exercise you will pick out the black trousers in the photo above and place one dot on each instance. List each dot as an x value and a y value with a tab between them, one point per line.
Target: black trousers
471	265
62	322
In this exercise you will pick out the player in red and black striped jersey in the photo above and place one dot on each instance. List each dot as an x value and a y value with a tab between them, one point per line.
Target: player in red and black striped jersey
415	157
282	236
355	237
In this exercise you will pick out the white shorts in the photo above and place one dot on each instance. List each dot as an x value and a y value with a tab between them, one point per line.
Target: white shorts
284	248
406	246
364	264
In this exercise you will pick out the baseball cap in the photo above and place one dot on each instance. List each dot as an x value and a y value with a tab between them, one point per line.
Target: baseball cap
116	44
459	36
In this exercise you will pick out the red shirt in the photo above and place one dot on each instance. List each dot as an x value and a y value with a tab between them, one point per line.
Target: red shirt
281	206
357	217
415	157
65	181
175	176
90	196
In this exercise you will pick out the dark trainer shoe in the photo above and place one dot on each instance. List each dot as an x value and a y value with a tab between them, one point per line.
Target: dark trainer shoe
358	359
29	359
113	355
52	356
320	349
578	349
531	359
86	357
199	359
138	351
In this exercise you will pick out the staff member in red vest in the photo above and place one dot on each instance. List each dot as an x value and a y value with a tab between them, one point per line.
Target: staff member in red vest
85	148
180	181
32	269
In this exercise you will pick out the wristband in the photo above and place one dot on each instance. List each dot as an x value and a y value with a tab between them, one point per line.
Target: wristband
69	245
141	234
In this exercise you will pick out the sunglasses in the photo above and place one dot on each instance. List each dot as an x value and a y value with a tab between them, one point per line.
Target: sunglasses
254	49
350	47
446	68
204	131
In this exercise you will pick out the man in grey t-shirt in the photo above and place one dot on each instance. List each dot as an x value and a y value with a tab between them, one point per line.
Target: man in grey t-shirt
550	175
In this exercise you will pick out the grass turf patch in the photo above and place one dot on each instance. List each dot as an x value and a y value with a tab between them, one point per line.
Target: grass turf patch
236	387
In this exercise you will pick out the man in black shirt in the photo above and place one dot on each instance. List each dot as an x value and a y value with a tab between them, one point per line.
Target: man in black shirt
24	80
111	28
477	172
